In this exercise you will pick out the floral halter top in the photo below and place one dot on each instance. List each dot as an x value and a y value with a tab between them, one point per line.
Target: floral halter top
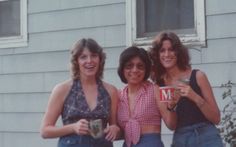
76	106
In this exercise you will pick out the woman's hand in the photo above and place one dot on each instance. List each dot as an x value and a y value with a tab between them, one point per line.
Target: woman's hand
112	132
81	127
185	90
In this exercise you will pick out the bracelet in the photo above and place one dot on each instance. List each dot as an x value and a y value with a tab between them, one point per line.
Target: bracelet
173	109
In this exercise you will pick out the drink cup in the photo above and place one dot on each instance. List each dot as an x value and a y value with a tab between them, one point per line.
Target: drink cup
184	80
96	128
167	93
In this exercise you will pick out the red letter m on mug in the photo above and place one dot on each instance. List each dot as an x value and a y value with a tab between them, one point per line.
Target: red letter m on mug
166	93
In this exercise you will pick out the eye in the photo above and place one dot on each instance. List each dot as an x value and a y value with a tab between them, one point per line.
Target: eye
171	49
141	66
128	66
94	55
82	57
161	50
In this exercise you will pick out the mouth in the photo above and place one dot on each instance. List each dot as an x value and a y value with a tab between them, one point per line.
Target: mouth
90	67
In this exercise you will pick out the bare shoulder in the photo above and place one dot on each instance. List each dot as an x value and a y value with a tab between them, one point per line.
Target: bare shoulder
65	85
200	75
62	89
110	88
202	79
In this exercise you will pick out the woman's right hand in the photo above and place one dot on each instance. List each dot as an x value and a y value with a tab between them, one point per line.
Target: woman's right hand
81	127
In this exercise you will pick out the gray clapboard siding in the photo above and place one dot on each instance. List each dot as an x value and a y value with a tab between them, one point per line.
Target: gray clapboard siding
52	61
217	51
218	73
20	122
6	51
17	83
220	50
112	59
77	18
214	7
23	102
31	82
25	140
195	55
36	6
107	37
221	26
167	139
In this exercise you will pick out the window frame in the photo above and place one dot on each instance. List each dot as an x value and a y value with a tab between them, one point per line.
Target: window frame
197	39
22	40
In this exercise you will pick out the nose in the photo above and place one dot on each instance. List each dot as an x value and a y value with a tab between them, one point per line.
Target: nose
134	68
166	53
89	59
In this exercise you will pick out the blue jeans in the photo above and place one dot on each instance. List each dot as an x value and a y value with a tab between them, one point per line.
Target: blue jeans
148	140
197	135
83	141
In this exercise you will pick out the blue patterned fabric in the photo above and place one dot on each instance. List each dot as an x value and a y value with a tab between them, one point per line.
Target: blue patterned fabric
83	141
76	106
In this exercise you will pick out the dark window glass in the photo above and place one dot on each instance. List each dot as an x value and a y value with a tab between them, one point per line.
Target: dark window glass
156	15
10	18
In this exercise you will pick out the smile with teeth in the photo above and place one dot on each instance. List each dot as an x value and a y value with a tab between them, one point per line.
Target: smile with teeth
90	67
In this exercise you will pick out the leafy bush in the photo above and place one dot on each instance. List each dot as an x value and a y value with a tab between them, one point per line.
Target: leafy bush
228	121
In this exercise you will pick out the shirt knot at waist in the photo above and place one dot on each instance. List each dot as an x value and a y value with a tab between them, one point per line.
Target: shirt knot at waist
132	132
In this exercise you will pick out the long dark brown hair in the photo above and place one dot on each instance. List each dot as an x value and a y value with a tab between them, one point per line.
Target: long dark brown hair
181	52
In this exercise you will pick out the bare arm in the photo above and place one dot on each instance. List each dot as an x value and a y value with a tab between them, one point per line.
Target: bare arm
113	130
53	111
206	103
168	117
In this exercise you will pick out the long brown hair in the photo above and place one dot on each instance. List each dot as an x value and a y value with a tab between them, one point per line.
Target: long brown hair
77	50
181	52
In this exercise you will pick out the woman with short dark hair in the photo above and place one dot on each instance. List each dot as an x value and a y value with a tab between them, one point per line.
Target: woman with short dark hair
139	108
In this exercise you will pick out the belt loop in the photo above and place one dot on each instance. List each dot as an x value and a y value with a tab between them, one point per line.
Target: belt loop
197	133
80	139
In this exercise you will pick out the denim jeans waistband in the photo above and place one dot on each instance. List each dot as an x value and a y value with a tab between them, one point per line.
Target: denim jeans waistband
199	127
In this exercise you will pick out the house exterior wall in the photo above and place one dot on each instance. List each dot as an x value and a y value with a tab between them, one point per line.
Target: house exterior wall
28	74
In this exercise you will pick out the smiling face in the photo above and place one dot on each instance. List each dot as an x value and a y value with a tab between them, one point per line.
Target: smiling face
134	71
167	55
88	63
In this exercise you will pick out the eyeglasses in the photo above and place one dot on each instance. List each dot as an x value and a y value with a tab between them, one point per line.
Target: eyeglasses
130	66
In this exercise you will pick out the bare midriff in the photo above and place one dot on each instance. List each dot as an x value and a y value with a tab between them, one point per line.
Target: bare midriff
150	129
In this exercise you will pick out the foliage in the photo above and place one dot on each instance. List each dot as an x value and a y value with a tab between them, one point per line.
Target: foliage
228	121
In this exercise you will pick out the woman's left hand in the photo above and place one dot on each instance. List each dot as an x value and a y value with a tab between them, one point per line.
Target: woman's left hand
111	132
186	91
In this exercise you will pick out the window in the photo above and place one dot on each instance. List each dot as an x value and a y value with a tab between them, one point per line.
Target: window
13	23
145	18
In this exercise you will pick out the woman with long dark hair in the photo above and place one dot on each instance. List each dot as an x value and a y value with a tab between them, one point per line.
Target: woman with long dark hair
196	108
